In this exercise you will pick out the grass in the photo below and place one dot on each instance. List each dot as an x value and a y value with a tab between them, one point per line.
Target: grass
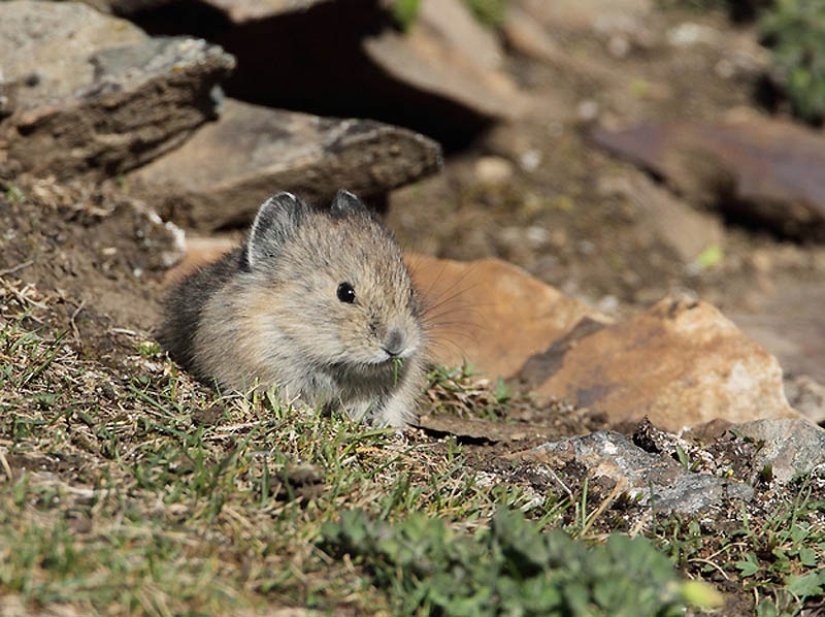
138	492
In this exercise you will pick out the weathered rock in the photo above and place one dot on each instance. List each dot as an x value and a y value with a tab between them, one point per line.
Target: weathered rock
789	447
789	320
221	175
492	313
452	22
651	479
98	96
755	168
687	230
798	342
807	396
422	60
493	170
442	81
680	363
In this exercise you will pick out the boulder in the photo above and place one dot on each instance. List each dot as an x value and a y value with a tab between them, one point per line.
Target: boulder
491	313
93	94
680	363
220	176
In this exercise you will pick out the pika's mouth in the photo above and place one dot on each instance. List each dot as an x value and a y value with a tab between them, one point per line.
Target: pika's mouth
377	370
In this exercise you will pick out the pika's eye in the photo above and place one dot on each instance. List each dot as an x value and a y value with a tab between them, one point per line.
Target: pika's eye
346	293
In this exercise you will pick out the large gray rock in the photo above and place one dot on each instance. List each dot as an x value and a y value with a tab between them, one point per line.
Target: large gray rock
650	479
93	94
221	175
787	448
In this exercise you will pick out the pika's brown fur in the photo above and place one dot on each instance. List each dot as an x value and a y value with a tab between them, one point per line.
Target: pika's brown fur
316	302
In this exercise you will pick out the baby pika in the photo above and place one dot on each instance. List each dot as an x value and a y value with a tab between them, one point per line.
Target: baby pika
316	302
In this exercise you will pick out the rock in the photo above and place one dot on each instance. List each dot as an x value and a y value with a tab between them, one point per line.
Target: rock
806	396
452	22
680	363
493	170
789	319
647	478
441	79
221	175
686	230
526	35
755	168
105	102
789	447
797	341
491	313
422	61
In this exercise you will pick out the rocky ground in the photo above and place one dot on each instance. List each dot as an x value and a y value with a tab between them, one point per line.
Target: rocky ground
666	229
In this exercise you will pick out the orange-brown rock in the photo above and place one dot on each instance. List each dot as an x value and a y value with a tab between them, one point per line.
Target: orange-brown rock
492	313
679	363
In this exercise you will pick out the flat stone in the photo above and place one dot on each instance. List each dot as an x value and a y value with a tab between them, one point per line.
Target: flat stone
221	175
98	96
423	60
649	479
680	363
789	448
453	23
491	313
687	230
755	168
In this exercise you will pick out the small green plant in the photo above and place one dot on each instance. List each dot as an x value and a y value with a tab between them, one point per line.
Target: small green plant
795	31
488	12
14	195
405	12
509	567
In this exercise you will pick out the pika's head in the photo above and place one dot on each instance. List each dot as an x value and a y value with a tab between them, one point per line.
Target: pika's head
331	283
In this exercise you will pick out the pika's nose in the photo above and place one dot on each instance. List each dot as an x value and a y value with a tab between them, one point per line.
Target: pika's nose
394	342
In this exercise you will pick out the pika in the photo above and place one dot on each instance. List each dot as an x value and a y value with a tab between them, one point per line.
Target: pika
317	302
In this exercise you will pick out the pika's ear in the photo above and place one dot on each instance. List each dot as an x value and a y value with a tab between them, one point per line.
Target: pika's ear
345	203
275	222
